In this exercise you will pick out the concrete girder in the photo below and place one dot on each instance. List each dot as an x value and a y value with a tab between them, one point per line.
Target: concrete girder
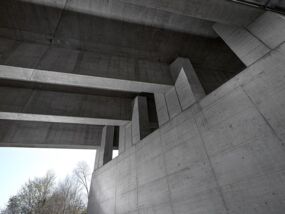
73	107
87	81
49	135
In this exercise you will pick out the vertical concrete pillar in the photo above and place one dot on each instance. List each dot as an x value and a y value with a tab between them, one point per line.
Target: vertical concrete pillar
129	138
144	122
187	84
187	90
141	124
161	108
135	122
122	139
172	102
125	137
105	152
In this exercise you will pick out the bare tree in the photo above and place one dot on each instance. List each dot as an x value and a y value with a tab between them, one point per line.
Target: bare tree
82	174
13	206
66	199
35	193
41	196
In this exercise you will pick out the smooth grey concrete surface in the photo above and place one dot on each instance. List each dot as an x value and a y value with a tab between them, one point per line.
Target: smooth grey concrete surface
49	135
224	154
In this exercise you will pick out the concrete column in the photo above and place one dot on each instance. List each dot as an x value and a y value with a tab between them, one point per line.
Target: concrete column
122	139
129	138
187	90
105	152
141	123
187	84
135	122
161	108
172	102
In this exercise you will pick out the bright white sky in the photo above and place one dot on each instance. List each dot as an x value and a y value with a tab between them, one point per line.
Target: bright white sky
17	165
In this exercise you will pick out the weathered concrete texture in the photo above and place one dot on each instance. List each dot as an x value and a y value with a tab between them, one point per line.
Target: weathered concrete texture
224	154
49	135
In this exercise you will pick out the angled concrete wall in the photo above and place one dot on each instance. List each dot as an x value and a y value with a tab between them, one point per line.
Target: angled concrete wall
224	154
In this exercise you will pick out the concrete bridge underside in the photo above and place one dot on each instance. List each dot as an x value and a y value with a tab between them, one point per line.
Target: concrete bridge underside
190	92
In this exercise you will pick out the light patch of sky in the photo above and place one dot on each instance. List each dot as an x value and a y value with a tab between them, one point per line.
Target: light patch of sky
18	165
115	153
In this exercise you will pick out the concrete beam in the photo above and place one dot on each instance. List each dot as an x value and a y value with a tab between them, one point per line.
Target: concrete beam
60	119
49	135
67	79
53	106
